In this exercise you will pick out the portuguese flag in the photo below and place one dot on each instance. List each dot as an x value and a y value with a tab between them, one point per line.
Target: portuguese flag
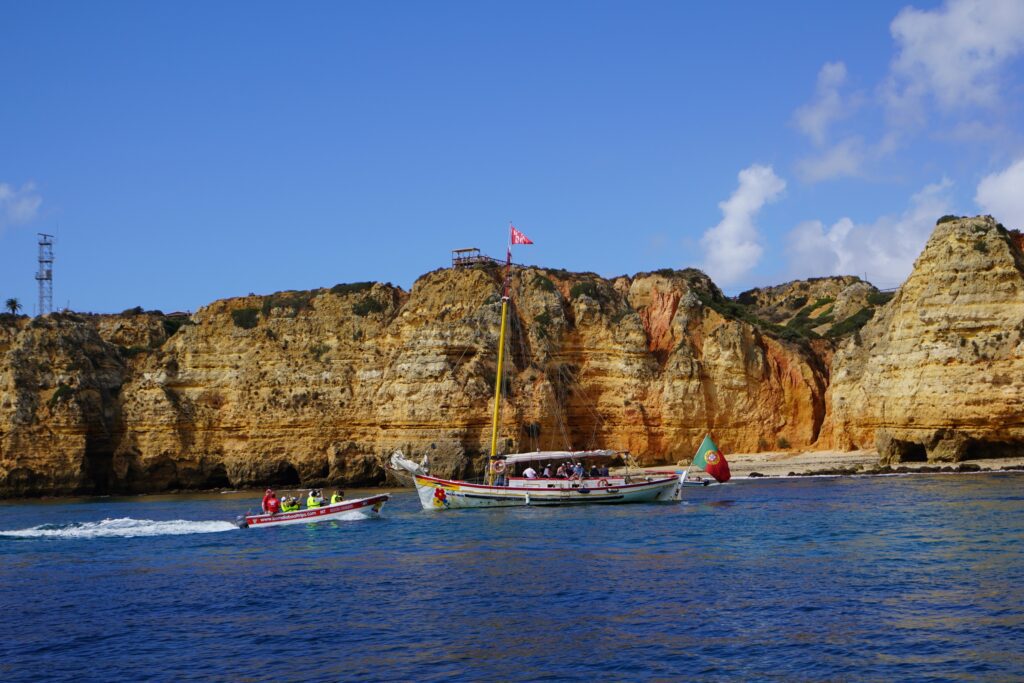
711	460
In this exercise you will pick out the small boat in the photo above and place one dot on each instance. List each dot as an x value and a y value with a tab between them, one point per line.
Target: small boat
345	510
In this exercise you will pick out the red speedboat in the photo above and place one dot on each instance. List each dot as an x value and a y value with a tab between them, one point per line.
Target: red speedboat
359	508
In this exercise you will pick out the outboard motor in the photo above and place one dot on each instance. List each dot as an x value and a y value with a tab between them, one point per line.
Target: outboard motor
241	523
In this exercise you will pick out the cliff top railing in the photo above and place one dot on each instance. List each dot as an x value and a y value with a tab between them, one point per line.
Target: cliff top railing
471	256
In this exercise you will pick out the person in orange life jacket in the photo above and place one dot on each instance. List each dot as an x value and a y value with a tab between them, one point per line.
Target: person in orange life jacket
271	505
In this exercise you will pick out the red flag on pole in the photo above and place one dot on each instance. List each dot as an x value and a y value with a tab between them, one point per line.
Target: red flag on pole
518	237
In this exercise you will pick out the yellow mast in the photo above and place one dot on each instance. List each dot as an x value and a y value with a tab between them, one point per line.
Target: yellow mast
497	391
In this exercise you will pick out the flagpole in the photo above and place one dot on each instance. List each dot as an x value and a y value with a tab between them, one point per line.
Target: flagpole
501	358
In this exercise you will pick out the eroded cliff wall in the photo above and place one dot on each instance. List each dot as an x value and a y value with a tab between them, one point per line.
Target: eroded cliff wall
938	374
319	387
314	387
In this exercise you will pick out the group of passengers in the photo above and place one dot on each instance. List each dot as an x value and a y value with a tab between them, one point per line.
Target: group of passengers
567	470
272	504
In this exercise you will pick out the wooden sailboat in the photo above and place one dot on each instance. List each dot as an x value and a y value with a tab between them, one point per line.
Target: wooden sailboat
512	480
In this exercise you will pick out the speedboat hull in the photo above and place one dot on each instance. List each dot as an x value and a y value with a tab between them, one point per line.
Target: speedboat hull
445	494
345	510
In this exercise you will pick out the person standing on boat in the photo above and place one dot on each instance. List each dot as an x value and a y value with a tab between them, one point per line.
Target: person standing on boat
561	473
577	471
547	471
271	505
530	473
338	496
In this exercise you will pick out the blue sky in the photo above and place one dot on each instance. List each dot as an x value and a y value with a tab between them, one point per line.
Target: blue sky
186	152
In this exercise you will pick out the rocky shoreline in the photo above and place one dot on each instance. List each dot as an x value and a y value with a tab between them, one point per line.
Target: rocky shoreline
836	463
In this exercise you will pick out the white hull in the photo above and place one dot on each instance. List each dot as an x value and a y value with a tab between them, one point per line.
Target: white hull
444	494
360	508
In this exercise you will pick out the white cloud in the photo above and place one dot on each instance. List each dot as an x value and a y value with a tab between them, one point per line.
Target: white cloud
954	54
828	104
884	250
18	205
1002	195
731	248
842	160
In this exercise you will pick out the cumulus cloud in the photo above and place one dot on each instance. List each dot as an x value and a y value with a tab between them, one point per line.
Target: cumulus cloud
1002	195
827	106
18	205
883	250
842	160
732	248
955	54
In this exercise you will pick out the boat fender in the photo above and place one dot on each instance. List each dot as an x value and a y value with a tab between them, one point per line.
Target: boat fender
603	483
583	489
498	466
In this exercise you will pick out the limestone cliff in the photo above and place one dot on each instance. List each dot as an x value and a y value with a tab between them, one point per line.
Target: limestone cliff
320	386
316	387
938	374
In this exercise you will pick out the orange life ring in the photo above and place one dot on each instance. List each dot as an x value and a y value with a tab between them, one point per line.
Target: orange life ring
498	466
603	483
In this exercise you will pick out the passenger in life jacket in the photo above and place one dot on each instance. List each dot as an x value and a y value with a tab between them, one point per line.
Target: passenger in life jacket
315	499
290	505
338	496
271	505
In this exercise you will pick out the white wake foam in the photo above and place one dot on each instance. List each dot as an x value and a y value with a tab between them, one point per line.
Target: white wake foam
124	527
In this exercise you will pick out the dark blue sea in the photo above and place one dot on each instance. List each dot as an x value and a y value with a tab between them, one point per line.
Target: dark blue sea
885	578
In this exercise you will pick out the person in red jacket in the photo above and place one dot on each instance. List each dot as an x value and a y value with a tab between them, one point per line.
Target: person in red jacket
271	505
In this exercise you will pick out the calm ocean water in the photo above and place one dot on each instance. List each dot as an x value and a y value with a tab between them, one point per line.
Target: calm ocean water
885	578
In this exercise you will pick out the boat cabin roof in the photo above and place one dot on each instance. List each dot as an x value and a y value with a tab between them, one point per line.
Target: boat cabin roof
540	456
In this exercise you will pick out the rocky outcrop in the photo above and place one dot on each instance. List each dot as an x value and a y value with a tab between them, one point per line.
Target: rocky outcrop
824	306
938	374
318	387
59	408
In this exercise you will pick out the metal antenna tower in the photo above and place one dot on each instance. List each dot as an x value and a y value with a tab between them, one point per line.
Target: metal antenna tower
45	274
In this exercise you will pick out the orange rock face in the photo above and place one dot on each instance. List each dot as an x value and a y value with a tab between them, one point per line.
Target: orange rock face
317	387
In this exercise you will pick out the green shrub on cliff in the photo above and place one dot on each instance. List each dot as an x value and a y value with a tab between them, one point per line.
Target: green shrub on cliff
544	284
366	306
585	288
294	301
351	288
947	218
246	318
851	324
880	298
63	391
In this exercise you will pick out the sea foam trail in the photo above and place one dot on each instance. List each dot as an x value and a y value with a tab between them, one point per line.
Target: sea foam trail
124	527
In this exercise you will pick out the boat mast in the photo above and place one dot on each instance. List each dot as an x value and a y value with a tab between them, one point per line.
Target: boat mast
501	359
